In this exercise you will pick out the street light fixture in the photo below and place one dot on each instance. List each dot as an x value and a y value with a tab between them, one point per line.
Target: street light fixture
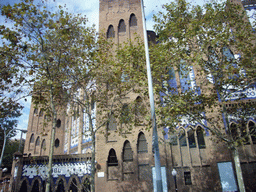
174	173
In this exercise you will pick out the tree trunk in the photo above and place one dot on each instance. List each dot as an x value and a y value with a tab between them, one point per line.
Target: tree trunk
93	164
2	154
49	171
239	174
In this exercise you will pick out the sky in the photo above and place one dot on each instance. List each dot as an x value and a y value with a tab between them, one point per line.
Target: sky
90	8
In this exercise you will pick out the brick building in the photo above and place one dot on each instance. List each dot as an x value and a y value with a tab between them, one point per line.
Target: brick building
127	163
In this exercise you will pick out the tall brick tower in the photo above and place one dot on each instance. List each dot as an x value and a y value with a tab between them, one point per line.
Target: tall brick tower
120	19
124	161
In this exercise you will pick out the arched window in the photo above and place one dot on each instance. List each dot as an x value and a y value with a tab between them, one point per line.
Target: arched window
23	186
86	185
127	152
60	186
58	123
35	111
133	20
182	138
43	145
57	143
112	159
111	125
121	26
200	137
252	131
110	32
32	139
73	185
38	141
191	138
142	143
139	110
41	113
244	133
125	114
35	186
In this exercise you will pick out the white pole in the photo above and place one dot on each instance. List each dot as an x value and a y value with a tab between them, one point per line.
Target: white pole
155	146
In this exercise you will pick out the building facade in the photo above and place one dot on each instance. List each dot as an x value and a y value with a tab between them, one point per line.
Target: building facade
125	162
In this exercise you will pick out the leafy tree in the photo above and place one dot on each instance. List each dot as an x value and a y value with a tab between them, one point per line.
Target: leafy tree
11	147
50	42
211	50
67	67
104	81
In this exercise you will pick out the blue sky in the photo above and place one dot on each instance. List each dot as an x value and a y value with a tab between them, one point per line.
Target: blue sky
90	8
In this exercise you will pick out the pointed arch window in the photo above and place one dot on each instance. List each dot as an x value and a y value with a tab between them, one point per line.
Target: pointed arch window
112	159
127	152
110	32
121	26
244	133
182	138
191	138
41	113
43	145
111	125
139	110
133	20
57	143
35	111
142	143
200	137
38	141
252	131
32	139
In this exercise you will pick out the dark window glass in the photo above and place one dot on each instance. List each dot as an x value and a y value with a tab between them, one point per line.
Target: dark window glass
58	123
127	152
111	32
43	145
182	138
37	141
187	178
244	134
200	138
252	131
133	20
121	26
191	138
32	138
35	111
41	113
142	144
112	159
57	143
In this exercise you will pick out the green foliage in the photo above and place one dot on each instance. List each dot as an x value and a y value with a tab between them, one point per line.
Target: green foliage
206	38
12	146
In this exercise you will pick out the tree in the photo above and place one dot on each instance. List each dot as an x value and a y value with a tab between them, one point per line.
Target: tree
12	146
211	50
51	41
69	71
104	81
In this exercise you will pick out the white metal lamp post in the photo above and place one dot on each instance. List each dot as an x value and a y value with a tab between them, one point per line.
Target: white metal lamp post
174	173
